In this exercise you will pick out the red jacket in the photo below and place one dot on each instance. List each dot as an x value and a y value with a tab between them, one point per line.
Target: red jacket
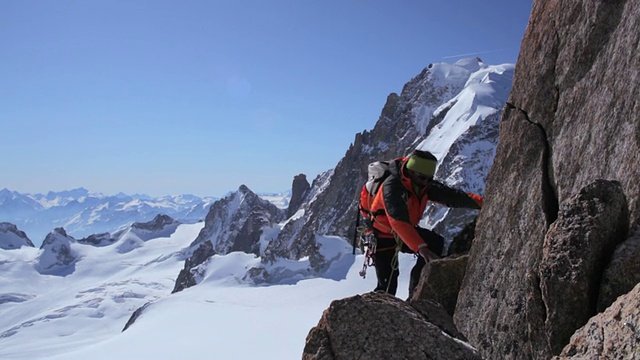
399	206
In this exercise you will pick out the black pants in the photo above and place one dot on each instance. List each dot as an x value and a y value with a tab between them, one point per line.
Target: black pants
384	258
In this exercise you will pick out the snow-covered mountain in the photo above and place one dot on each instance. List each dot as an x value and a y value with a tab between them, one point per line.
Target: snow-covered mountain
463	133
82	213
57	257
235	222
12	238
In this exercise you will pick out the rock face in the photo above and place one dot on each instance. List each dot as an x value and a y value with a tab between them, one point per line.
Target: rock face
158	223
12	238
138	233
299	190
297	239
573	118
98	240
136	314
193	267
577	79
380	326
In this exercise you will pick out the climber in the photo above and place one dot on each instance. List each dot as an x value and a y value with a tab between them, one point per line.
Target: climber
396	209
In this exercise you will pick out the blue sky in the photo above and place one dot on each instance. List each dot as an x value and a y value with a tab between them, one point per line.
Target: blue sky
198	97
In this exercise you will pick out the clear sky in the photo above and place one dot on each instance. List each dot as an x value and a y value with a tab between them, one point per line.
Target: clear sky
198	97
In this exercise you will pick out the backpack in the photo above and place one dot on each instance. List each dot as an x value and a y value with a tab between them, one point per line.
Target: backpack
377	172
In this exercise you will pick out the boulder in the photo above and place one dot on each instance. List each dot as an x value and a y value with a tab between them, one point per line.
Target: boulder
622	273
381	326
576	248
613	334
441	280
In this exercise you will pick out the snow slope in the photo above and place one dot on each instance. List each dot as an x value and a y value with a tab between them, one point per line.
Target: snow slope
81	315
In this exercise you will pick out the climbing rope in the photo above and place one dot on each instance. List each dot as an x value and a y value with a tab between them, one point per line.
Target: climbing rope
394	260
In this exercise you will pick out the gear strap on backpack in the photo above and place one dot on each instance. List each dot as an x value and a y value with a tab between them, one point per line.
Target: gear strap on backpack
377	173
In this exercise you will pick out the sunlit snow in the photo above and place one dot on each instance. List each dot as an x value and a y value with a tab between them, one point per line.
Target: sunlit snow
81	315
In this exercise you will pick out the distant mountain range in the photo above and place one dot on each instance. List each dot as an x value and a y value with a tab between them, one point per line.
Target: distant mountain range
82	213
